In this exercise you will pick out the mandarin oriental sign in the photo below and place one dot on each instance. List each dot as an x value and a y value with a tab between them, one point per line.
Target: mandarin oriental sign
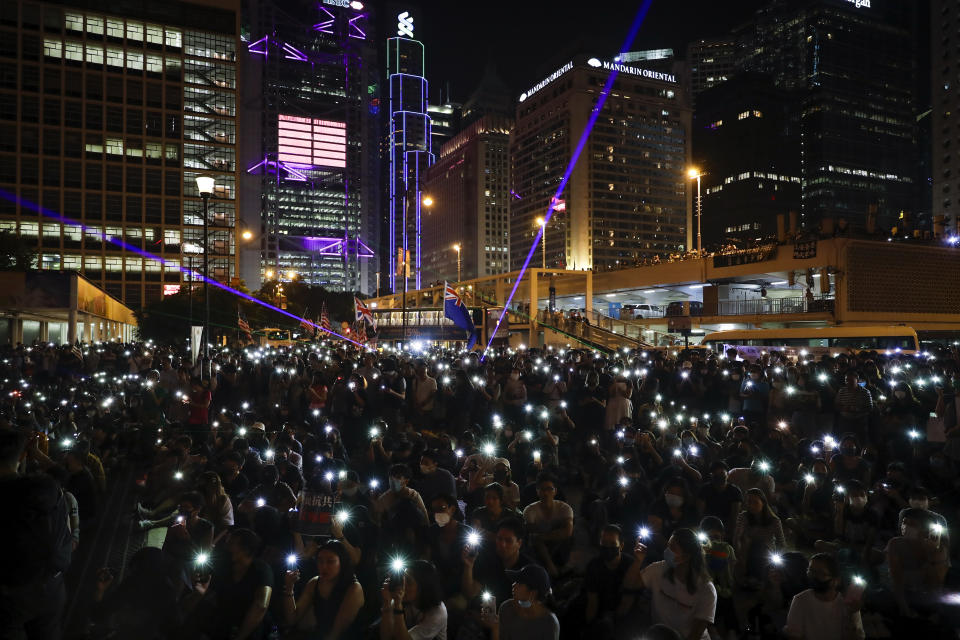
637	71
550	78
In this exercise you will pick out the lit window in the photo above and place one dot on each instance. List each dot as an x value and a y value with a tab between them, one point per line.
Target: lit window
115	146
115	58
73	51
154	64
114	28
134	60
174	38
134	31
743	115
52	48
94	54
154	34
95	25
73	21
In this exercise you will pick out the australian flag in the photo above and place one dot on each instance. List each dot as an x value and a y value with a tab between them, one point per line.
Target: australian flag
454	309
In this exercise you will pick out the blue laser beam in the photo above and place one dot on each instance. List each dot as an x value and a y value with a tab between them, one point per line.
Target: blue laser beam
128	247
601	100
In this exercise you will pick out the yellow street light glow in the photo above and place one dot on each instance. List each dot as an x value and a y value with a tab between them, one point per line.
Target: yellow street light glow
292	275
427	201
269	273
540	221
693	172
246	235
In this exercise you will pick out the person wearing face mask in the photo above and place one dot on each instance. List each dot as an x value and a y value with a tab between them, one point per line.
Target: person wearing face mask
526	615
603	585
718	498
919	498
822	612
400	502
674	509
433	480
855	527
683	597
918	560
445	539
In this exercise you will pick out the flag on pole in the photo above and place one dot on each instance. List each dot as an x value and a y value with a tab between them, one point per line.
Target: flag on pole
305	324
363	312
454	309
324	318
243	325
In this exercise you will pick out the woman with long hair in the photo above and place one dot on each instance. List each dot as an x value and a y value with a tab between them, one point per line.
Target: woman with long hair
758	534
684	598
329	603
217	506
413	606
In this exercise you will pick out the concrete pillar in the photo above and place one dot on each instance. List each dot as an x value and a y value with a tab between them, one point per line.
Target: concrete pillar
72	326
534	303
498	290
16	331
44	334
588	294
87	330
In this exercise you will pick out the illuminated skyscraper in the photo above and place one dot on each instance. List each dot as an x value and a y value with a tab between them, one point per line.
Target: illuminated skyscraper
310	151
945	98
110	111
408	150
627	197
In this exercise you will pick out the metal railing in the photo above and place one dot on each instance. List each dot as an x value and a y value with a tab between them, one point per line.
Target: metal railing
775	306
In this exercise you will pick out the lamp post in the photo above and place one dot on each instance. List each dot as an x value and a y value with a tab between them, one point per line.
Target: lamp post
205	187
696	173
542	223
457	248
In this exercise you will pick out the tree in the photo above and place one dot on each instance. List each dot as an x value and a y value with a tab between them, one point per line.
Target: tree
15	254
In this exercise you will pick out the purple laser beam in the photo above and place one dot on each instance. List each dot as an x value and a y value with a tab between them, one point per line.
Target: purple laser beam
120	243
601	100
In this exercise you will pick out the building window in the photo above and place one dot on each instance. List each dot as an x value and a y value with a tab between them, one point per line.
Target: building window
115	29
52	48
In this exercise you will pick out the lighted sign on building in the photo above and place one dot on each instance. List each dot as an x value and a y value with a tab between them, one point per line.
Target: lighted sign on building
405	25
312	142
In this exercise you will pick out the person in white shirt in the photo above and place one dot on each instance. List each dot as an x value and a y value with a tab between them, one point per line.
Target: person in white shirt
414	609
549	524
821	612
683	597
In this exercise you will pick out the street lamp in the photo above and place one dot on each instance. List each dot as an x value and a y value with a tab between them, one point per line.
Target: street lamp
457	248
247	235
542	222
205	187
692	173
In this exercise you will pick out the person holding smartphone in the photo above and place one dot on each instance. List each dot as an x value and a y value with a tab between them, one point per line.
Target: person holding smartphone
526	615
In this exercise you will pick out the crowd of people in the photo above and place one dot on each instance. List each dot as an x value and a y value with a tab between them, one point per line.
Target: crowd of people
324	491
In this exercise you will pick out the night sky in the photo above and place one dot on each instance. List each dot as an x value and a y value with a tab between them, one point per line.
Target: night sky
526	40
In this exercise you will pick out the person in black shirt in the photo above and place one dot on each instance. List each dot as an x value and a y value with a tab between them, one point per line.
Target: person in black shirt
487	571
606	599
719	498
240	588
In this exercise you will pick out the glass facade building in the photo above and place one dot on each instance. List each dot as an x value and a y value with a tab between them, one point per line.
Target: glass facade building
107	116
311	182
628	196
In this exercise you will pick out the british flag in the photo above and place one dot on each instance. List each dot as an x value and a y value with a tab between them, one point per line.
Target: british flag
456	310
361	333
363	312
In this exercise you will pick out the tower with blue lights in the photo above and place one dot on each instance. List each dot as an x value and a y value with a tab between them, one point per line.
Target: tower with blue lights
311	183
408	151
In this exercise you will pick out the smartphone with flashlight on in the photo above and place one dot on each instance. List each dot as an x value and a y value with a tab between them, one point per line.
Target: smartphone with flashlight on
488	604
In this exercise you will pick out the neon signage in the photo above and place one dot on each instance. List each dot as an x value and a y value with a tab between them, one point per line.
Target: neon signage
405	25
634	71
311	142
550	78
860	4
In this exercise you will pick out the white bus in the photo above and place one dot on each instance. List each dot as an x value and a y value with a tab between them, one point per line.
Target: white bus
889	340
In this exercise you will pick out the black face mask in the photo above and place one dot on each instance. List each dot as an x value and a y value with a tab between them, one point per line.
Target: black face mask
609	553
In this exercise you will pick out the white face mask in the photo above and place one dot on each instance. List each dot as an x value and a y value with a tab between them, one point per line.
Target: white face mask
442	519
673	500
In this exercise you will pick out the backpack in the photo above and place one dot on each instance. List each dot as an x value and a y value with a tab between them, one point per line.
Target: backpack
36	537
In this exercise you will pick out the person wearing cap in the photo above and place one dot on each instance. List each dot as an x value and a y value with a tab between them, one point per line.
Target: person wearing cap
525	616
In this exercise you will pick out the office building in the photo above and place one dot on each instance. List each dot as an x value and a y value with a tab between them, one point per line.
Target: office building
408	154
746	144
310	152
444	122
945	41
108	117
470	188
491	98
627	197
852	64
712	62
